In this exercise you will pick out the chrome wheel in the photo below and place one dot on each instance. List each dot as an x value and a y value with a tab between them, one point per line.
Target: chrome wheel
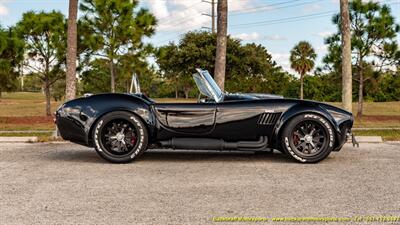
308	138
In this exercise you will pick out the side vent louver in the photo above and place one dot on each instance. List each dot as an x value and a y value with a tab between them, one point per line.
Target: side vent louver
268	118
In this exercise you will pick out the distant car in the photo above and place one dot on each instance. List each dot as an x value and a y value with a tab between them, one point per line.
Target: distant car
122	126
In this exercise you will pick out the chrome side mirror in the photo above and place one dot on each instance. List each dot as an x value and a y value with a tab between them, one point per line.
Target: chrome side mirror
135	83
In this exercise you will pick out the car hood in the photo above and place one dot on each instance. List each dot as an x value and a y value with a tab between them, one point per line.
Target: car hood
264	95
250	96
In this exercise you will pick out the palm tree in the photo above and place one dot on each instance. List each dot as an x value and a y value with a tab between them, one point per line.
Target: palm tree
220	58
346	56
70	89
302	60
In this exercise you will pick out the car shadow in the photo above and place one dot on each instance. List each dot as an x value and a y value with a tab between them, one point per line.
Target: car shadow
201	156
68	155
90	156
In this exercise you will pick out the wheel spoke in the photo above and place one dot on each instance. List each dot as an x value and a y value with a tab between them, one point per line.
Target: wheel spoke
298	134
308	137
312	129
302	130
119	137
303	145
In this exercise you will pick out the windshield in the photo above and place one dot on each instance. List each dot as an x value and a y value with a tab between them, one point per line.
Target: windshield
207	85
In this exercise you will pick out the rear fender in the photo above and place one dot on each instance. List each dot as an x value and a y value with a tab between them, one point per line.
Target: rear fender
98	106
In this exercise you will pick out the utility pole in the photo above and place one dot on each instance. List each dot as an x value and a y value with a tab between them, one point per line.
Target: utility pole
212	2
347	94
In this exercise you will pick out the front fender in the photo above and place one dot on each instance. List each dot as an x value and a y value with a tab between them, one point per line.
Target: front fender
301	108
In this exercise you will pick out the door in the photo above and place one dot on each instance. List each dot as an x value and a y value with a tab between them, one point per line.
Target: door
186	118
243	120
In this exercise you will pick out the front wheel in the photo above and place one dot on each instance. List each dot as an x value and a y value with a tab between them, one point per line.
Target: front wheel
120	137
308	138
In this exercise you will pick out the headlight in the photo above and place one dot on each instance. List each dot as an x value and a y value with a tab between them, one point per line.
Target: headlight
72	111
338	116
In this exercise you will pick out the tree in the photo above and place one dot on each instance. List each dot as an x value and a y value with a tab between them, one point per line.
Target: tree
220	59
346	56
373	34
70	87
45	41
97	79
302	60
11	54
113	28
246	64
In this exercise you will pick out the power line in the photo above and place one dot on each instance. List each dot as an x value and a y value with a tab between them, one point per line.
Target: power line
287	19
278	21
273	9
265	23
262	7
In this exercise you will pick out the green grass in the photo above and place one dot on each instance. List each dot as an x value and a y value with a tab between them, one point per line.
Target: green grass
376	108
23	127
387	135
26	134
24	104
23	96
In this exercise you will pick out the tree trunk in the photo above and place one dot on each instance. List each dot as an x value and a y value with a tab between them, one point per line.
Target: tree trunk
360	96
301	85
176	92
346	56
70	88
48	97
112	76
220	58
186	93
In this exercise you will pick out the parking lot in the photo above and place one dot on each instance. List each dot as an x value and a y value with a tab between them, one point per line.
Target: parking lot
67	184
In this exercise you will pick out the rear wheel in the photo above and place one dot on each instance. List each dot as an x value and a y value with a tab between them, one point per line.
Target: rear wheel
120	137
308	138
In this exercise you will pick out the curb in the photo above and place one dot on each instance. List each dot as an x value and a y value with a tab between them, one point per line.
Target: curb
18	139
24	131
367	139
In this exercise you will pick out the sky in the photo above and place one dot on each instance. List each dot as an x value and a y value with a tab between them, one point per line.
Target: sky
276	24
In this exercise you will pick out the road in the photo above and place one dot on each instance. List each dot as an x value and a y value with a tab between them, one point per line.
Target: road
68	184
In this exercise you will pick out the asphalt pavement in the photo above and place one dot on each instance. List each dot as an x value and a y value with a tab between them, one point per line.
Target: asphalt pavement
58	183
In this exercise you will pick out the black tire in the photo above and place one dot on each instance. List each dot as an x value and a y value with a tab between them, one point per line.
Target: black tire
308	138
120	137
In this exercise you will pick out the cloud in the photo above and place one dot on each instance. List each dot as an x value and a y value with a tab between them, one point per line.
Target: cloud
184	15
312	8
324	34
244	6
3	10
248	36
275	37
256	36
159	8
282	59
321	49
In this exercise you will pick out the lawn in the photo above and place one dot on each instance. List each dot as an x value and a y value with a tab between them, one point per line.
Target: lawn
26	111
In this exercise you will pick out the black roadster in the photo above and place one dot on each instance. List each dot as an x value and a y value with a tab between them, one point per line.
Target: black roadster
122	126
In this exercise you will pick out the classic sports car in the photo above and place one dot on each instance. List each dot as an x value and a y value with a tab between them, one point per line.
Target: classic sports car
122	126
